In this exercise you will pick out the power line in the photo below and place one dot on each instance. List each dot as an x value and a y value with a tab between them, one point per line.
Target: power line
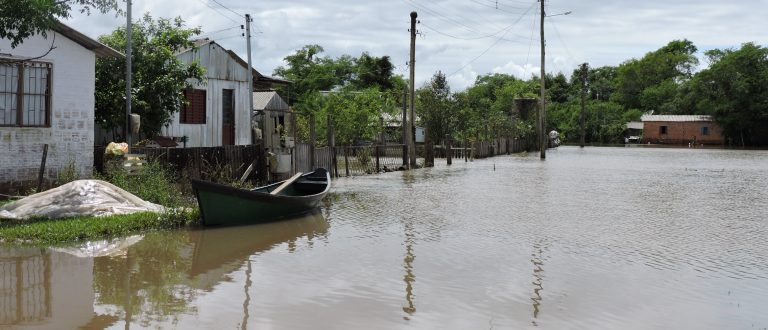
227	8
219	31
530	45
495	43
217	11
472	38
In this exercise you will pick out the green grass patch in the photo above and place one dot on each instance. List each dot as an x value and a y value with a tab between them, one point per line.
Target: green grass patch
52	231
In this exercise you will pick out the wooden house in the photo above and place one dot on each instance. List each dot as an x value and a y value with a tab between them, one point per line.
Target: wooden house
47	97
217	112
277	117
681	129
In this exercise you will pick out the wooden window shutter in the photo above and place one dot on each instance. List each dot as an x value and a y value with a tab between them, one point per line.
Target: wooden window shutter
194	112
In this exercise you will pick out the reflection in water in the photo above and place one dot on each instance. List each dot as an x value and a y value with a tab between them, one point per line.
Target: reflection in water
246	303
537	260
409	278
25	287
218	251
630	238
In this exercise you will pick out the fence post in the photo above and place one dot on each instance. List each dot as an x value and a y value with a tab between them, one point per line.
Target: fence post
42	168
378	161
448	149
312	141
346	159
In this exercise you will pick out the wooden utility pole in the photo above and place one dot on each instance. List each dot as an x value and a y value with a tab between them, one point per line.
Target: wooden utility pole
128	74
404	125
542	108
584	72
250	74
412	67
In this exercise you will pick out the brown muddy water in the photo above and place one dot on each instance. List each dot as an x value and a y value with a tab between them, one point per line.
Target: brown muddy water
594	238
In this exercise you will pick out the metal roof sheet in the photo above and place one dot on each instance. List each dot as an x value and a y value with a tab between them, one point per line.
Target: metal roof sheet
676	118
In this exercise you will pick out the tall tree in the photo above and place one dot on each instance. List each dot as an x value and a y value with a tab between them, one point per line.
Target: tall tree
651	82
436	109
734	90
159	77
21	19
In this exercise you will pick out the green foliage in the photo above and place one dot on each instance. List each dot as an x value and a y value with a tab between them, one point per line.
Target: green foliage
651	82
159	78
436	109
734	89
356	114
358	91
21	19
155	183
49	231
68	173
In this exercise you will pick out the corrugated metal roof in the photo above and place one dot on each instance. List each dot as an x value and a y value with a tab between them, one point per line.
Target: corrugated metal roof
634	125
269	100
676	118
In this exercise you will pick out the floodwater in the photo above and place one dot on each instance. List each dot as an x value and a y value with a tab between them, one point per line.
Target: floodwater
593	238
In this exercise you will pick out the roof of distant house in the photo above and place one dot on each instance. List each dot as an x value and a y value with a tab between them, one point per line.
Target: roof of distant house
676	118
269	100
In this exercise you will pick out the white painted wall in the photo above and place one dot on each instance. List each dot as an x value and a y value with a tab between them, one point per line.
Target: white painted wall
70	137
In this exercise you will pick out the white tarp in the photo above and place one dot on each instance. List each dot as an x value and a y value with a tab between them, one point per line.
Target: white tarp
102	248
78	198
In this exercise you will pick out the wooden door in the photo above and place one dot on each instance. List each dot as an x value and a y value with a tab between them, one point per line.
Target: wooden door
228	120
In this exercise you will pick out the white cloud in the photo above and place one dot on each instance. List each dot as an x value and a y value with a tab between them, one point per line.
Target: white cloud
456	33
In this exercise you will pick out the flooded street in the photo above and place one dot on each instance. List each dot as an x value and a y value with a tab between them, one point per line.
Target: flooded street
594	238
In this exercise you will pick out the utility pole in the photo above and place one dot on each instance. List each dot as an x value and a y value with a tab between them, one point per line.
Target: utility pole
412	67
250	73
128	73
584	72
542	108
404	125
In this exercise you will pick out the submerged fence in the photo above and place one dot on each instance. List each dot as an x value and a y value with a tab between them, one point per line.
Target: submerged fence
362	160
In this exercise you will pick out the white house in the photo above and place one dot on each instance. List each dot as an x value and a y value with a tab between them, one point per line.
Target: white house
47	98
218	112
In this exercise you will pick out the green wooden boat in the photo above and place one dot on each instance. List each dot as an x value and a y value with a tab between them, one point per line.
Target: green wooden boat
224	205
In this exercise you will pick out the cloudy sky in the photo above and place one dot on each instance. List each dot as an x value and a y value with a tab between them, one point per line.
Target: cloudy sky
462	38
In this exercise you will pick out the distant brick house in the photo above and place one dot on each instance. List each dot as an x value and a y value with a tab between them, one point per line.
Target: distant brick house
47	98
681	129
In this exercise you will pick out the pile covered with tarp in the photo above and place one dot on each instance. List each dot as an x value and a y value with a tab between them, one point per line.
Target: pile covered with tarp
78	198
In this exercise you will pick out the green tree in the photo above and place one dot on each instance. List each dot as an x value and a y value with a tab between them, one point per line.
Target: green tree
734	90
436	109
21	19
311	73
651	82
371	71
159	78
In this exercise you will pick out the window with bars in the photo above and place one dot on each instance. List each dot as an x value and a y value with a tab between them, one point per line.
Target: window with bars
25	94
193	111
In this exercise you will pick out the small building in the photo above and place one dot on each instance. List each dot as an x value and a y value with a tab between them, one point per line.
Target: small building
47	97
681	129
277	118
634	132
217	111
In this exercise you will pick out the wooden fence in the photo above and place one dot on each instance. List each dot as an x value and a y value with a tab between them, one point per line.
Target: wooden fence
361	160
203	162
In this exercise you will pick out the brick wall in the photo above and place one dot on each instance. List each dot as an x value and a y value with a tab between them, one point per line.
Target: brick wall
70	136
682	132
